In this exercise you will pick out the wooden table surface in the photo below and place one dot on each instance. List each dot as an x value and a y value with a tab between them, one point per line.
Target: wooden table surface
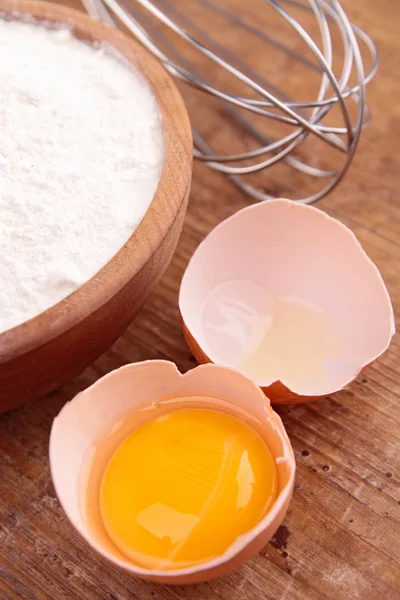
341	537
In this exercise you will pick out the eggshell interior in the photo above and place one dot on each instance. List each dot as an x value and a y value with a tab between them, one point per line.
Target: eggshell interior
284	249
83	421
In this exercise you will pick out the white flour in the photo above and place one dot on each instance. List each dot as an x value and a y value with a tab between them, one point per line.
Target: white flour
81	151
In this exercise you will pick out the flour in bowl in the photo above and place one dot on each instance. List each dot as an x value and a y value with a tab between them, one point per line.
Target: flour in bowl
81	153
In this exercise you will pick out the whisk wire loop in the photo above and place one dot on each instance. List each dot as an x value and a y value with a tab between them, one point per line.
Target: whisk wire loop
265	99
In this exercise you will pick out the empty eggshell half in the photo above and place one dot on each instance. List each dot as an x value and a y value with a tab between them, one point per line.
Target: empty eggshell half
285	294
100	409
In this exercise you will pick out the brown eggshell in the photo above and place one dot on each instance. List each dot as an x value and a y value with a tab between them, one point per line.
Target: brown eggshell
287	249
82	422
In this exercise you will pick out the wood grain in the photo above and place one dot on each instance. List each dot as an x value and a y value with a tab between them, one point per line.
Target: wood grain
44	352
341	538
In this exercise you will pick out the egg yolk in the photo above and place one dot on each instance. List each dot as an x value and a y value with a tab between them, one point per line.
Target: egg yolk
181	488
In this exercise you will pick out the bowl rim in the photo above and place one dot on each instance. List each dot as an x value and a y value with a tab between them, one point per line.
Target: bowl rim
163	210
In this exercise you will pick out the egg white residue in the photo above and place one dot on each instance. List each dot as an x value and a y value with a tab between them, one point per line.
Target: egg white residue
286	294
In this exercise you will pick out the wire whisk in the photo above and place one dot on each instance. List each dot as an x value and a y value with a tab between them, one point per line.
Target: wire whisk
301	119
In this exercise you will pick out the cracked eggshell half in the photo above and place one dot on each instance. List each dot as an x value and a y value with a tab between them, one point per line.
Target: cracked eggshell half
284	258
142	386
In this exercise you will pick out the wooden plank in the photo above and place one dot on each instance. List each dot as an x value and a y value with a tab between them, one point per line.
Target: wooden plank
341	538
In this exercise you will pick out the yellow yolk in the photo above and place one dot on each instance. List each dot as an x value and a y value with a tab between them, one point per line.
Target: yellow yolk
181	488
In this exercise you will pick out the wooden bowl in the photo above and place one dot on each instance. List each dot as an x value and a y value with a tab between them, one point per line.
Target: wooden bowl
43	353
